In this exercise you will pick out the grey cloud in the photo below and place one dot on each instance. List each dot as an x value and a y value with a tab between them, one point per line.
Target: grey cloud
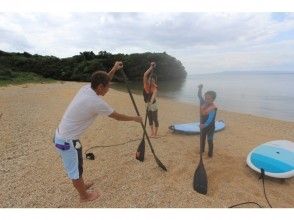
171	31
210	35
163	30
14	41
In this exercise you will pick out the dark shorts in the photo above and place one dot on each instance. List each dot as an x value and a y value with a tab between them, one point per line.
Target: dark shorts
153	118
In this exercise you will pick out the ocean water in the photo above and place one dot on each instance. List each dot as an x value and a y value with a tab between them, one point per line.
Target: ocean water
266	94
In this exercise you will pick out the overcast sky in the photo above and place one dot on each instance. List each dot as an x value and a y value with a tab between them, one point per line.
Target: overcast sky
203	42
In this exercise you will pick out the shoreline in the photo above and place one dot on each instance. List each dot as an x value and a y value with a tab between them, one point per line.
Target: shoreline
33	174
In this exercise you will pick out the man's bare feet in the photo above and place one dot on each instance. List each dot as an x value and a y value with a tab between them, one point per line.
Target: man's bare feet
90	196
88	185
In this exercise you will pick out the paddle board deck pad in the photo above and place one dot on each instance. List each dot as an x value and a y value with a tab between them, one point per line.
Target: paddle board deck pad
276	158
193	128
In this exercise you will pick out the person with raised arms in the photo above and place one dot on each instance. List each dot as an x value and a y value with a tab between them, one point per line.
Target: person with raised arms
207	118
150	95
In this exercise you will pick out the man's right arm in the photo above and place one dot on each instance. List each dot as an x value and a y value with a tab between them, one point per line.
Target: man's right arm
122	117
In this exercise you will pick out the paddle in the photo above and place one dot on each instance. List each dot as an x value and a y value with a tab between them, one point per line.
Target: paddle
135	106
141	148
200	177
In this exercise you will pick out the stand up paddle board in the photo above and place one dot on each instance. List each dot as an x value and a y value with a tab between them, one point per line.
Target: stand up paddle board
276	158
193	128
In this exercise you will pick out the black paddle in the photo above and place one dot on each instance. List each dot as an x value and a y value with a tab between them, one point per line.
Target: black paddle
135	106
200	177
141	148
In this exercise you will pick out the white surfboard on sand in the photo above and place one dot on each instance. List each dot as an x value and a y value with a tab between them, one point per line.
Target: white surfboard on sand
193	128
276	158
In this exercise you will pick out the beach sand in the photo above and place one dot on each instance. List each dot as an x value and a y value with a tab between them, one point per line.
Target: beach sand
32	173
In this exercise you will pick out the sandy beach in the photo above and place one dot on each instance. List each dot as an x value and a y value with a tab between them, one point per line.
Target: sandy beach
32	173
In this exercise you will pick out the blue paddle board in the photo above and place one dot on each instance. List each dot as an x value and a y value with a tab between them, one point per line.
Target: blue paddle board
276	158
193	128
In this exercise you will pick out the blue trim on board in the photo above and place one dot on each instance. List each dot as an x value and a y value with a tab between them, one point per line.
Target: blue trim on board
272	159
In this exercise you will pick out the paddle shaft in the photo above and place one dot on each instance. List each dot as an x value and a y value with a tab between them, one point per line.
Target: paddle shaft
146	114
141	148
200	176
201	144
137	111
145	122
201	133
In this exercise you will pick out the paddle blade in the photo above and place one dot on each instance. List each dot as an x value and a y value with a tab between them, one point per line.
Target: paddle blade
200	179
141	151
160	164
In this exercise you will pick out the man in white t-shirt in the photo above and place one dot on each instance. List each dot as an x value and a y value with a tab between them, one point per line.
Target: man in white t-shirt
79	115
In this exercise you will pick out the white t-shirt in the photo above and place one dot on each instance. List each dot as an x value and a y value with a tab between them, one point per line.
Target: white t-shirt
81	113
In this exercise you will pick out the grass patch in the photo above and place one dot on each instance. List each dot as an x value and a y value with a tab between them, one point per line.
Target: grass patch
17	78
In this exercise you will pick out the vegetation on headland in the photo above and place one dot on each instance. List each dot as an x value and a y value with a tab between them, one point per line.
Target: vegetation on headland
24	67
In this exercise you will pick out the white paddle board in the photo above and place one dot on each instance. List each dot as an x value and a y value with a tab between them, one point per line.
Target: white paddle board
276	158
